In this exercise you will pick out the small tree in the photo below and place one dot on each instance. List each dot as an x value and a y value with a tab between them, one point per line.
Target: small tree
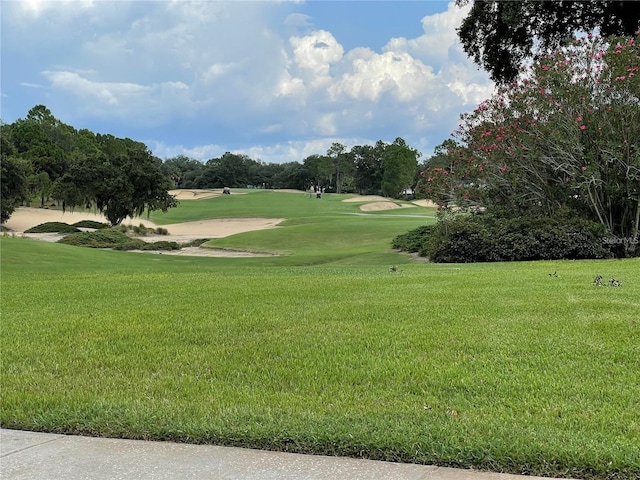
565	136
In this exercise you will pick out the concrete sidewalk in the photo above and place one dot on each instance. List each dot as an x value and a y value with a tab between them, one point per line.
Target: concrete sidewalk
34	456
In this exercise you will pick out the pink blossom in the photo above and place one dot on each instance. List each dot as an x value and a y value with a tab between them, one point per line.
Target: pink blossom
503	168
579	119
584	168
583	127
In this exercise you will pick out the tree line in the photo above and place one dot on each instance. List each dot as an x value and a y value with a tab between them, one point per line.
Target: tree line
44	158
384	169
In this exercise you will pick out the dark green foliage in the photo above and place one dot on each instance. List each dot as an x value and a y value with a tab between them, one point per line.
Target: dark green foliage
162	245
487	238
399	163
53	227
14	173
90	224
116	239
79	168
125	181
143	230
111	238
500	35
413	240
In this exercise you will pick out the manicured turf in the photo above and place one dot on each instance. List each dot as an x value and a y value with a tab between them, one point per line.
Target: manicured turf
497	366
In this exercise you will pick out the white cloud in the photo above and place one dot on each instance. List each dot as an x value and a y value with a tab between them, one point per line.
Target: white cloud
149	102
439	40
373	75
316	52
198	152
251	69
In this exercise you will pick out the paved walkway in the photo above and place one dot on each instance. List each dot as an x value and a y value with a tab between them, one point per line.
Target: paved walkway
35	456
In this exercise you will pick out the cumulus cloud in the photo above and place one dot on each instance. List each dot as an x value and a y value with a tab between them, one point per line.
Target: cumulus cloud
410	86
259	71
372	75
316	53
439	41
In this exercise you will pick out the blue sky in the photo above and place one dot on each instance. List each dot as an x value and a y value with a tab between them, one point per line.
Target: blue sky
276	80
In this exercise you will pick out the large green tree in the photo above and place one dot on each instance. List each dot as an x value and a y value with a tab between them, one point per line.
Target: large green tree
120	177
127	182
500	35
399	165
182	170
14	172
367	161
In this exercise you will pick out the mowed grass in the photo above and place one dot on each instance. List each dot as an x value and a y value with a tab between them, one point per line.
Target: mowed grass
496	366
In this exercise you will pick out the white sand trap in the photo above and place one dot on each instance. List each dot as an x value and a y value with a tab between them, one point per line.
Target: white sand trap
425	203
378	206
213	228
24	218
366	198
195	194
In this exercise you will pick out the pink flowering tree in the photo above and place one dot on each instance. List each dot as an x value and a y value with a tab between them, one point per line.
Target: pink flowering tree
564	137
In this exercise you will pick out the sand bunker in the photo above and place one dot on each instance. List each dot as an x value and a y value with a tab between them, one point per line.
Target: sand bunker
425	203
195	194
366	198
24	218
378	206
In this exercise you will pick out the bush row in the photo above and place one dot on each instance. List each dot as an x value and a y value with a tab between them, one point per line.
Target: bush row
53	227
114	239
466	238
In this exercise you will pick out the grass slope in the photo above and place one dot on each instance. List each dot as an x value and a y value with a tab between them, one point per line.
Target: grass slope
496	366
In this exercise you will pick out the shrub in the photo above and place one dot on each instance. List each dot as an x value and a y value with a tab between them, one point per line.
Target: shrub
162	245
111	238
53	227
488	238
90	224
161	231
413	240
140	230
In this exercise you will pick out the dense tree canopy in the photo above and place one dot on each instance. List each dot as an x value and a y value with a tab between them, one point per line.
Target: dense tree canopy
43	156
501	34
13	176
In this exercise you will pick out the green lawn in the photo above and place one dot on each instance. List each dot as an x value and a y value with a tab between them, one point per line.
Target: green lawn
497	366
